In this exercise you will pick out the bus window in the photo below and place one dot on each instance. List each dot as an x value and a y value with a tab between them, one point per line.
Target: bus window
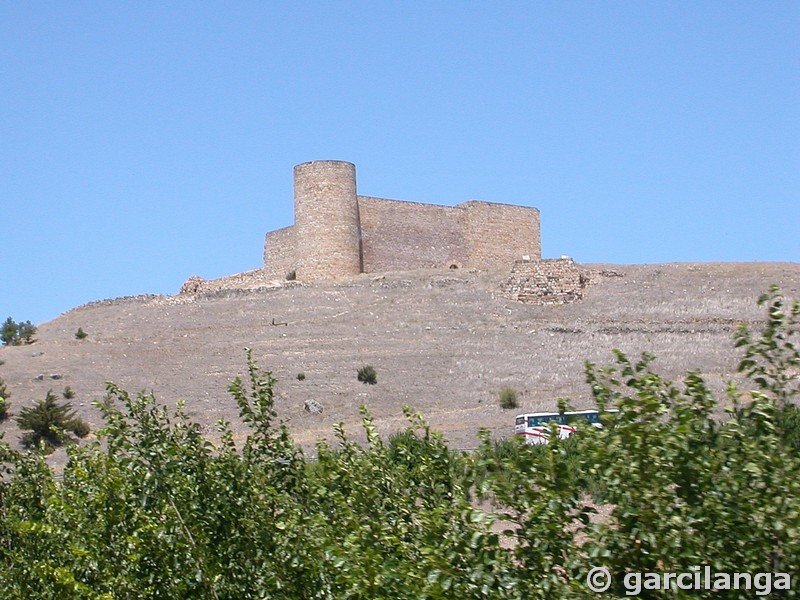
534	427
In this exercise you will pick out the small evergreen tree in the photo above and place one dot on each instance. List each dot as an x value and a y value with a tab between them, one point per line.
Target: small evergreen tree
9	332
26	331
81	334
12	333
49	421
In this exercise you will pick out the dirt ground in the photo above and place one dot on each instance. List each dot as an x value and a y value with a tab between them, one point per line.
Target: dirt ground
442	342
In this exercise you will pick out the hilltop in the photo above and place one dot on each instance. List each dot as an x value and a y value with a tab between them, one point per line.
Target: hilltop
443	342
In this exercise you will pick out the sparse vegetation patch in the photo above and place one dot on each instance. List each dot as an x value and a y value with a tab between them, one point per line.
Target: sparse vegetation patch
508	398
368	374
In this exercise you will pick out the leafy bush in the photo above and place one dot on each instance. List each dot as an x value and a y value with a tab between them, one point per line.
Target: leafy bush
508	398
4	403
789	424
81	334
48	421
301	376
153	509
291	276
367	374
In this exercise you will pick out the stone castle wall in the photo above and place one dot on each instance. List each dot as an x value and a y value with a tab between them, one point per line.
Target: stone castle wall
338	233
498	234
279	252
396	234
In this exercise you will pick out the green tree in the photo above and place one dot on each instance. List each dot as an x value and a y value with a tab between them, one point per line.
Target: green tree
48	421
12	333
26	331
687	488
9	332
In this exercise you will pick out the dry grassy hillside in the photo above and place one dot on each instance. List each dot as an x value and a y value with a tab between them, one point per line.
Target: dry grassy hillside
442	342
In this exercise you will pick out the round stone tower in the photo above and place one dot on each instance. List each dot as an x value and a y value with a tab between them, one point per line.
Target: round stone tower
326	220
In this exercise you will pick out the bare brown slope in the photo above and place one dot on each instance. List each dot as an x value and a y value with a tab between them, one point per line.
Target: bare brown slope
442	342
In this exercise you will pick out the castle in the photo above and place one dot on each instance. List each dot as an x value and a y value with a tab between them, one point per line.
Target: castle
338	233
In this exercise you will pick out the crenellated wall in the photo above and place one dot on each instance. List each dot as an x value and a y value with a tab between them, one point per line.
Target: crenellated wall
339	233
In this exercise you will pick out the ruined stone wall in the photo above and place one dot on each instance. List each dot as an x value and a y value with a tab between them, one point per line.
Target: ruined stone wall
498	234
549	281
280	252
397	235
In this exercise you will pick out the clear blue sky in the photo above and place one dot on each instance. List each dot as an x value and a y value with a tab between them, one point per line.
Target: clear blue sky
145	142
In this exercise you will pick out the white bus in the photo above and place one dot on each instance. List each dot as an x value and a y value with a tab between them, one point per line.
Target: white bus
536	426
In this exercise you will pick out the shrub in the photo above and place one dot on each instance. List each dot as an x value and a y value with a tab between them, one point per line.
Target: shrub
367	374
80	427
291	276
301	376
68	393
508	398
81	334
48	421
4	403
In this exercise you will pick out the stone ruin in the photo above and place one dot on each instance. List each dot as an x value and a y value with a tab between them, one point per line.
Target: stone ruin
547	281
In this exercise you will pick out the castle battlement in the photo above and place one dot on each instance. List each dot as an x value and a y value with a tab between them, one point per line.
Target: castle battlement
338	233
